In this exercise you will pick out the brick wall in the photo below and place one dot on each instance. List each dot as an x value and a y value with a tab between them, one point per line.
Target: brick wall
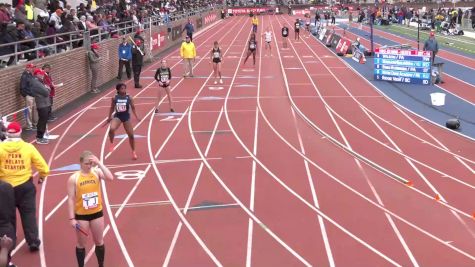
71	68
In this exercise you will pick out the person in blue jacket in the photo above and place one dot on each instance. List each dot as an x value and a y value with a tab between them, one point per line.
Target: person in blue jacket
189	29
125	56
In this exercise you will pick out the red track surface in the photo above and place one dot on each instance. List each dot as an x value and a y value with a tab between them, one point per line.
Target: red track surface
263	147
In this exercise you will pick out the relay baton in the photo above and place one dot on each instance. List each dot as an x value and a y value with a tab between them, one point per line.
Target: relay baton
81	230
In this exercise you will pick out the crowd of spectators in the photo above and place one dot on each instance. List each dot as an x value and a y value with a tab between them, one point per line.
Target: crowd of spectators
29	19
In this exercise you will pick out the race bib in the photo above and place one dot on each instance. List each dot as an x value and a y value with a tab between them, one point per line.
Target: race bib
297	26
252	45
285	32
216	54
164	78
90	200
121	107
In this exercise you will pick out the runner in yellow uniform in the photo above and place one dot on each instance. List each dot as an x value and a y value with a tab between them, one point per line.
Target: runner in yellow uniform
85	205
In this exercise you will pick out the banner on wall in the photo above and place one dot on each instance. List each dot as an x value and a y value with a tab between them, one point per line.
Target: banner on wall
245	11
158	40
210	18
335	40
301	12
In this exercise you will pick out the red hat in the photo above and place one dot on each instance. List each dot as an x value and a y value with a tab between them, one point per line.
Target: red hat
39	71
29	65
94	46
13	128
138	42
432	34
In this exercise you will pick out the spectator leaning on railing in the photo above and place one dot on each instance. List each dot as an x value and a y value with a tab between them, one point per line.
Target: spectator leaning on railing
43	105
26	92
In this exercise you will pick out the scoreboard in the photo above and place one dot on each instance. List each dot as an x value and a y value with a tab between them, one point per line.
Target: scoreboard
405	66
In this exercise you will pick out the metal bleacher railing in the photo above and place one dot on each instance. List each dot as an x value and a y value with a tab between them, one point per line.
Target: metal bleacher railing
52	44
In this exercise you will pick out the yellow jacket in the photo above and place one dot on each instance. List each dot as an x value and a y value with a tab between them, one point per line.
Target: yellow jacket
29	12
16	159
255	21
188	50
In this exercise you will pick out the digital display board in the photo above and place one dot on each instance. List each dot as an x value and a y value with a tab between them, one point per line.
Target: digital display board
405	66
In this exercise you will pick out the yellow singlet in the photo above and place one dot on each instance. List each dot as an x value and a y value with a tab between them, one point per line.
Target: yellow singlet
88	194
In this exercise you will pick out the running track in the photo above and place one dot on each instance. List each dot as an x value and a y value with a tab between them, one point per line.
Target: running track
290	163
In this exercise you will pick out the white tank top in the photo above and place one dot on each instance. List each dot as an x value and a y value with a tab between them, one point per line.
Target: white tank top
268	36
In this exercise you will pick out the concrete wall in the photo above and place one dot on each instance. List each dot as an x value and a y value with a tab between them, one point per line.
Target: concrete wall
71	68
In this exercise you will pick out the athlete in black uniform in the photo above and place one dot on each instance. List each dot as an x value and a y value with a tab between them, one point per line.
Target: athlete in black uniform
252	47
297	29
216	59
120	114
163	76
285	34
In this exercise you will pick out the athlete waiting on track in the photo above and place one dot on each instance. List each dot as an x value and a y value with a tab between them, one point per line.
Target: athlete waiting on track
163	76
120	114
268	40
85	205
252	47
216	59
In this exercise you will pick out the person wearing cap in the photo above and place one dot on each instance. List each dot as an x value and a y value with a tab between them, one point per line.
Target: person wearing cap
48	81
56	18
138	52
431	45
16	160
188	53
94	59
125	56
26	92
43	104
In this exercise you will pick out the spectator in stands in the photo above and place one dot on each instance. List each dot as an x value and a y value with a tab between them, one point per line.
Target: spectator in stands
125	56
188	53
43	104
48	81
432	45
3	131
20	14
73	15
189	29
82	23
138	52
26	92
18	173
7	221
5	17
56	19
94	59
29	11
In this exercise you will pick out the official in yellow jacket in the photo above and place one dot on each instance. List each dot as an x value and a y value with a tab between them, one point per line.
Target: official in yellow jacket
188	53
16	160
254	22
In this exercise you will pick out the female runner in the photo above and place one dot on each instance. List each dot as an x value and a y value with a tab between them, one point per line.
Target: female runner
121	104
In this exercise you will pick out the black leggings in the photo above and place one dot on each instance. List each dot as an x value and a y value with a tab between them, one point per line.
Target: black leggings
43	115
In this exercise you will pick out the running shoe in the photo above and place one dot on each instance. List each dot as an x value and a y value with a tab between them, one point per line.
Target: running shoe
42	141
156	111
221	81
172	110
134	155
215	82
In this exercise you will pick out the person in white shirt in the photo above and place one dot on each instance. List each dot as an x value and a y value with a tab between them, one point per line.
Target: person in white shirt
56	17
268	39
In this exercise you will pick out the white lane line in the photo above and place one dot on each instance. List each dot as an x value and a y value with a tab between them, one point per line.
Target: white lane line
323	230
253	190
